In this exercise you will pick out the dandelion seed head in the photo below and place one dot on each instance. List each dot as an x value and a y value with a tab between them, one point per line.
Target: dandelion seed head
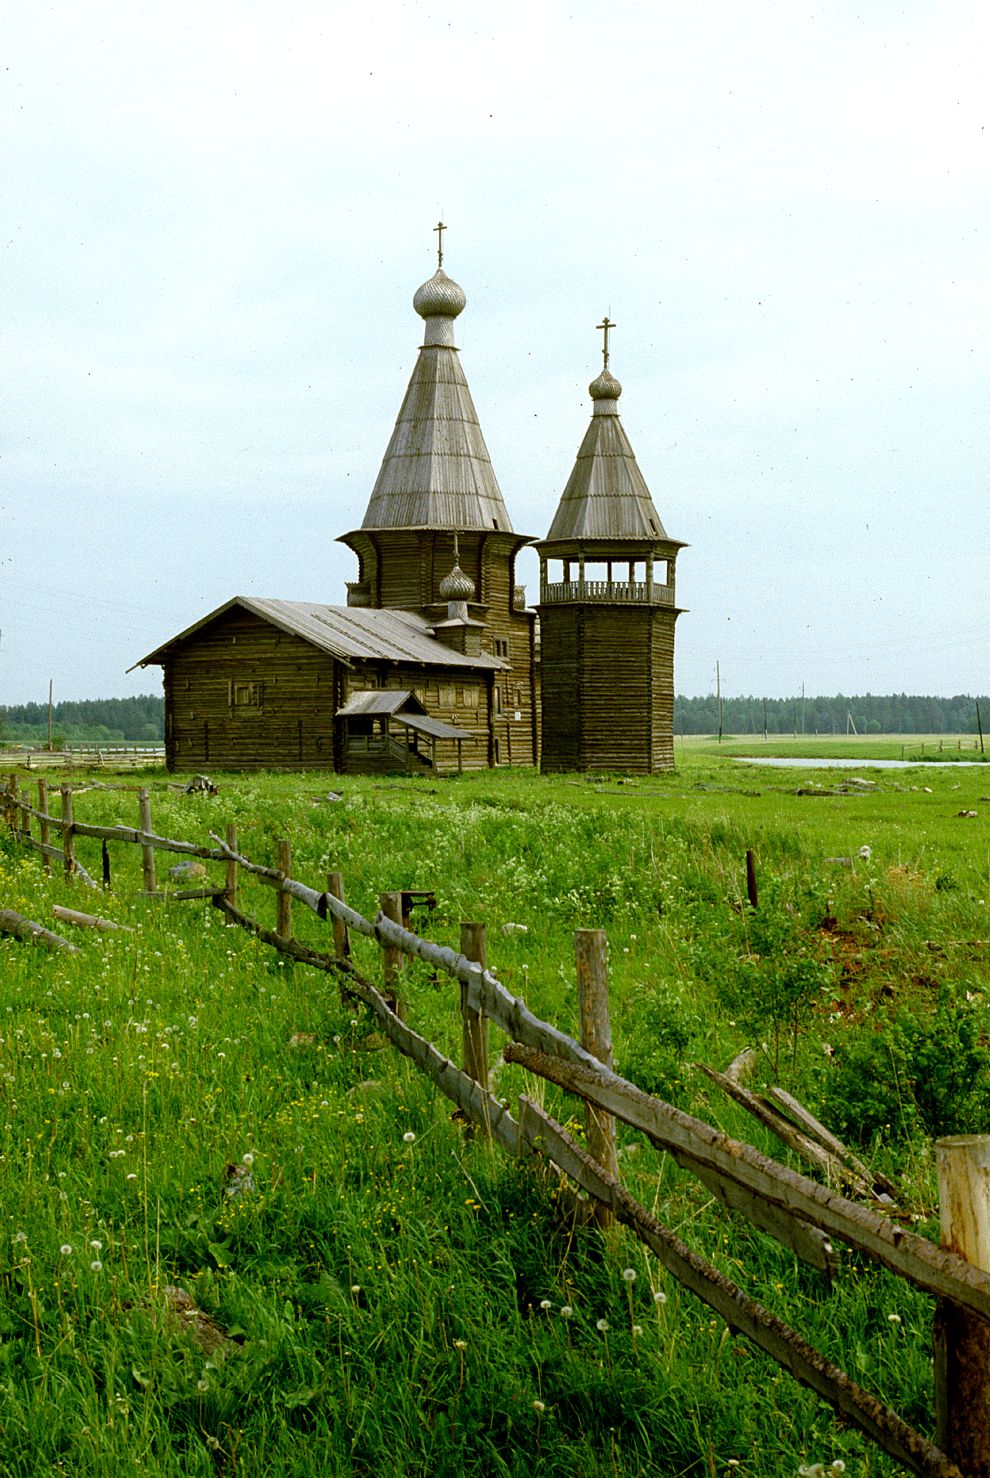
629	1275
894	1318
247	1158
566	1311
545	1304
66	1249
355	1288
659	1297
96	1266
409	1136
602	1326
539	1408
460	1344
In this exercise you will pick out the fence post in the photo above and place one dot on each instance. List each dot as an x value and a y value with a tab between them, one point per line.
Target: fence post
230	881
25	813
751	890
391	906
9	796
473	948
591	958
147	853
341	939
68	851
46	861
962	1338
283	903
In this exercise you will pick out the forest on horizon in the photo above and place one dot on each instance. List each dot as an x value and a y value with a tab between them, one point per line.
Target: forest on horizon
142	720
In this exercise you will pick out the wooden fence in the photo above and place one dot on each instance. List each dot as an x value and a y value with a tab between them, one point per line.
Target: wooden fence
801	1213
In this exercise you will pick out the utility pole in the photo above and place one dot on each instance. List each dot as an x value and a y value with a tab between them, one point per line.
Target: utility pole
718	694
50	683
765	733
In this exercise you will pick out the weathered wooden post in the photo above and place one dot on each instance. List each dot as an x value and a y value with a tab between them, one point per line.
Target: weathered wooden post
147	852
10	792
68	851
283	904
591	958
44	827
25	812
473	948
391	906
230	881
751	890
341	939
961	1337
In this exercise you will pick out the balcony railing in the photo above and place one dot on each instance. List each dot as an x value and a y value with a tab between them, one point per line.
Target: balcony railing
636	592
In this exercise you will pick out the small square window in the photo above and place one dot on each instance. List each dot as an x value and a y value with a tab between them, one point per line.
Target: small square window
246	694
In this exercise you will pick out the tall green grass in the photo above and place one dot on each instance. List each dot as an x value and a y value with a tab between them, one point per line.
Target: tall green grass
183	1109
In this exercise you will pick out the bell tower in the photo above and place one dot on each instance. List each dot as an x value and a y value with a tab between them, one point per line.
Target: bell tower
607	608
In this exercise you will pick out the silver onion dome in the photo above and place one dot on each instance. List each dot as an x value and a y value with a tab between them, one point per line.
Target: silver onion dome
440	297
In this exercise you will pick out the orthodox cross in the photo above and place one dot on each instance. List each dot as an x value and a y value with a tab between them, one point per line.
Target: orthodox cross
605	324
439	228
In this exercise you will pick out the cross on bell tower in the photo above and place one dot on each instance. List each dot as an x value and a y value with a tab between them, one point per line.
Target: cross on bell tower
605	324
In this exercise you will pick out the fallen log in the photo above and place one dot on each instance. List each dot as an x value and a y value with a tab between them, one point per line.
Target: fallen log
84	920
15	924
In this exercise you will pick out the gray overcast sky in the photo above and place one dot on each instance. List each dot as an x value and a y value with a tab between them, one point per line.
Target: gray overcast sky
215	216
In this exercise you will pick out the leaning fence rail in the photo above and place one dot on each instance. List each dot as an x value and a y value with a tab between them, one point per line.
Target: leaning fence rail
801	1213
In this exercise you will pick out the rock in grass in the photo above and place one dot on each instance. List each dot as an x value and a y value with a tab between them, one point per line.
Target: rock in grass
184	1314
184	872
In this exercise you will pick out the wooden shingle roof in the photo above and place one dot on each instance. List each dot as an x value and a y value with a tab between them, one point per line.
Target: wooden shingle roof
436	472
348	633
606	496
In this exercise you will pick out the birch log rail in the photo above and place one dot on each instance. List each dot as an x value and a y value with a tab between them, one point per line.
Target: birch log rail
741	1313
933	1268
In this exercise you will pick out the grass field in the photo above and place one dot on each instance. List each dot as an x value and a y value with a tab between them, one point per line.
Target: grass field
379	1294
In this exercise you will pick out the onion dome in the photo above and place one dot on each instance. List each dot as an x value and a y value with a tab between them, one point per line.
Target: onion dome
606	387
440	297
457	585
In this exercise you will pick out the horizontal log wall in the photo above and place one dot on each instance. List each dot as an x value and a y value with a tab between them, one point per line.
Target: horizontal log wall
291	725
607	688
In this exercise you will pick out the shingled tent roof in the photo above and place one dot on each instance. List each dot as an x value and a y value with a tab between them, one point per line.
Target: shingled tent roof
437	473
606	497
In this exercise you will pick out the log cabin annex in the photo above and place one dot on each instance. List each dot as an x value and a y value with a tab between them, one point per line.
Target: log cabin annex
433	665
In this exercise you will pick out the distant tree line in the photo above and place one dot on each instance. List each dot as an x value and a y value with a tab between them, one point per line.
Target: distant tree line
142	720
112	720
869	713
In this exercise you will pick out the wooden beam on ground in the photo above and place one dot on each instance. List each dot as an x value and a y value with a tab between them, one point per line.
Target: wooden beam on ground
84	920
15	924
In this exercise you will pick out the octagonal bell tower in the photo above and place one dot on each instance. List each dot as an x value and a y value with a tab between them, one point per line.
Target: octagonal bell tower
607	609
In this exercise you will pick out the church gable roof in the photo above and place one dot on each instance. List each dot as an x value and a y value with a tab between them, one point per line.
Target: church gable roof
351	634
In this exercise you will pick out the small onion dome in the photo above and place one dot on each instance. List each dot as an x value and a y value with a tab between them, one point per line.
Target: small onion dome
457	585
606	387
440	297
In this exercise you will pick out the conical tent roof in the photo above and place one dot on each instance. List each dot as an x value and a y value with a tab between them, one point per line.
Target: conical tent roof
437	472
606	497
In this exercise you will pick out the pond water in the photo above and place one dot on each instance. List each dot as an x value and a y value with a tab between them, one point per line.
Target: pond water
850	764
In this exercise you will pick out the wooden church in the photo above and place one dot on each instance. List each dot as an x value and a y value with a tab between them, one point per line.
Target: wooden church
430	667
433	665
